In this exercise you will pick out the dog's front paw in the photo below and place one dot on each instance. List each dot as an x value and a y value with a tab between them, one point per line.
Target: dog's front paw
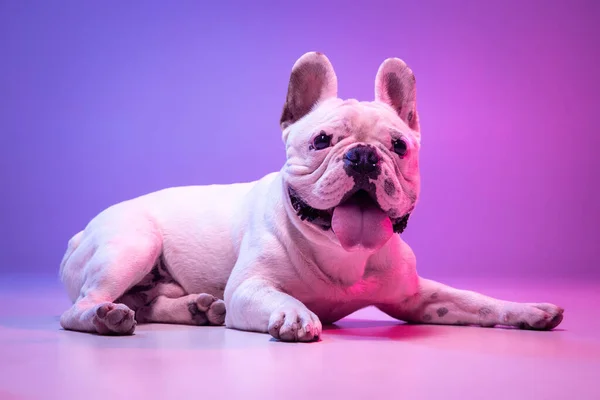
536	316
295	324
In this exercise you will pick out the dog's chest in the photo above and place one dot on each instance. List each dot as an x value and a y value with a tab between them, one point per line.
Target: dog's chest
332	302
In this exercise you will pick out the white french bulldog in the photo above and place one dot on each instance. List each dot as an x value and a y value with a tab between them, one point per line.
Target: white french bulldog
307	245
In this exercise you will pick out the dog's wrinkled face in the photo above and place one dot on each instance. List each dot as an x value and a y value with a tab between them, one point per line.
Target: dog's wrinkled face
352	167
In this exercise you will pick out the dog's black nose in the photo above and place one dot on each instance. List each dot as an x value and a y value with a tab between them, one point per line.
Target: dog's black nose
362	159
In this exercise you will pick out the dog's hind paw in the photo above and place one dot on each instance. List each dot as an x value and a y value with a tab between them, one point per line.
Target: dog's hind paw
114	319
207	309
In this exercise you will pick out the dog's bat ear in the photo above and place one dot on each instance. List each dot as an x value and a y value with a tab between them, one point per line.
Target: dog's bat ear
312	80
395	85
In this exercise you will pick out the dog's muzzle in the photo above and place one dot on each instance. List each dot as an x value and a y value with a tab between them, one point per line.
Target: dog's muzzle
322	218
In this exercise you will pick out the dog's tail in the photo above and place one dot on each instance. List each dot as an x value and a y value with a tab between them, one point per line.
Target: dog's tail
71	247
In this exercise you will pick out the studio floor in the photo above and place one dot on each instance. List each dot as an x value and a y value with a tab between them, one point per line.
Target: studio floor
366	356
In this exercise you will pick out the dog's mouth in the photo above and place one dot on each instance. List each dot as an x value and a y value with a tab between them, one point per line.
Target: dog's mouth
358	221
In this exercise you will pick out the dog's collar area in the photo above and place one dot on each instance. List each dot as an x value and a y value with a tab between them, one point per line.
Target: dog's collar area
322	218
399	224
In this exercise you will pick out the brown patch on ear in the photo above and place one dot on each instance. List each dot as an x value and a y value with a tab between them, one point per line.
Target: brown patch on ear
304	90
395	85
394	91
286	115
311	81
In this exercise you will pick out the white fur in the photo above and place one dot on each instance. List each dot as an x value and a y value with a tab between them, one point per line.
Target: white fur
243	243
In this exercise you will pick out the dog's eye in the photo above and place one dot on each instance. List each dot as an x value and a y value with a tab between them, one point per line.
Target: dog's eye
322	141
400	147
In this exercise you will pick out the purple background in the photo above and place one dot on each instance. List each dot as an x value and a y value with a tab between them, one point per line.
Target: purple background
101	103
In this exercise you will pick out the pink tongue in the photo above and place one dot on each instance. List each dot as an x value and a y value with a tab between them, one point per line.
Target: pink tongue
361	224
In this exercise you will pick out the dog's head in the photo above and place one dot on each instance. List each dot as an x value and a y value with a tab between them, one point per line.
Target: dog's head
352	167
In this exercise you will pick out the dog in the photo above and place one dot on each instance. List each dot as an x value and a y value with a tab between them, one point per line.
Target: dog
299	248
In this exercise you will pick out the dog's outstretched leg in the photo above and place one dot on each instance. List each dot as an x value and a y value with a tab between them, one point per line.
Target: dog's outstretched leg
102	273
435	303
